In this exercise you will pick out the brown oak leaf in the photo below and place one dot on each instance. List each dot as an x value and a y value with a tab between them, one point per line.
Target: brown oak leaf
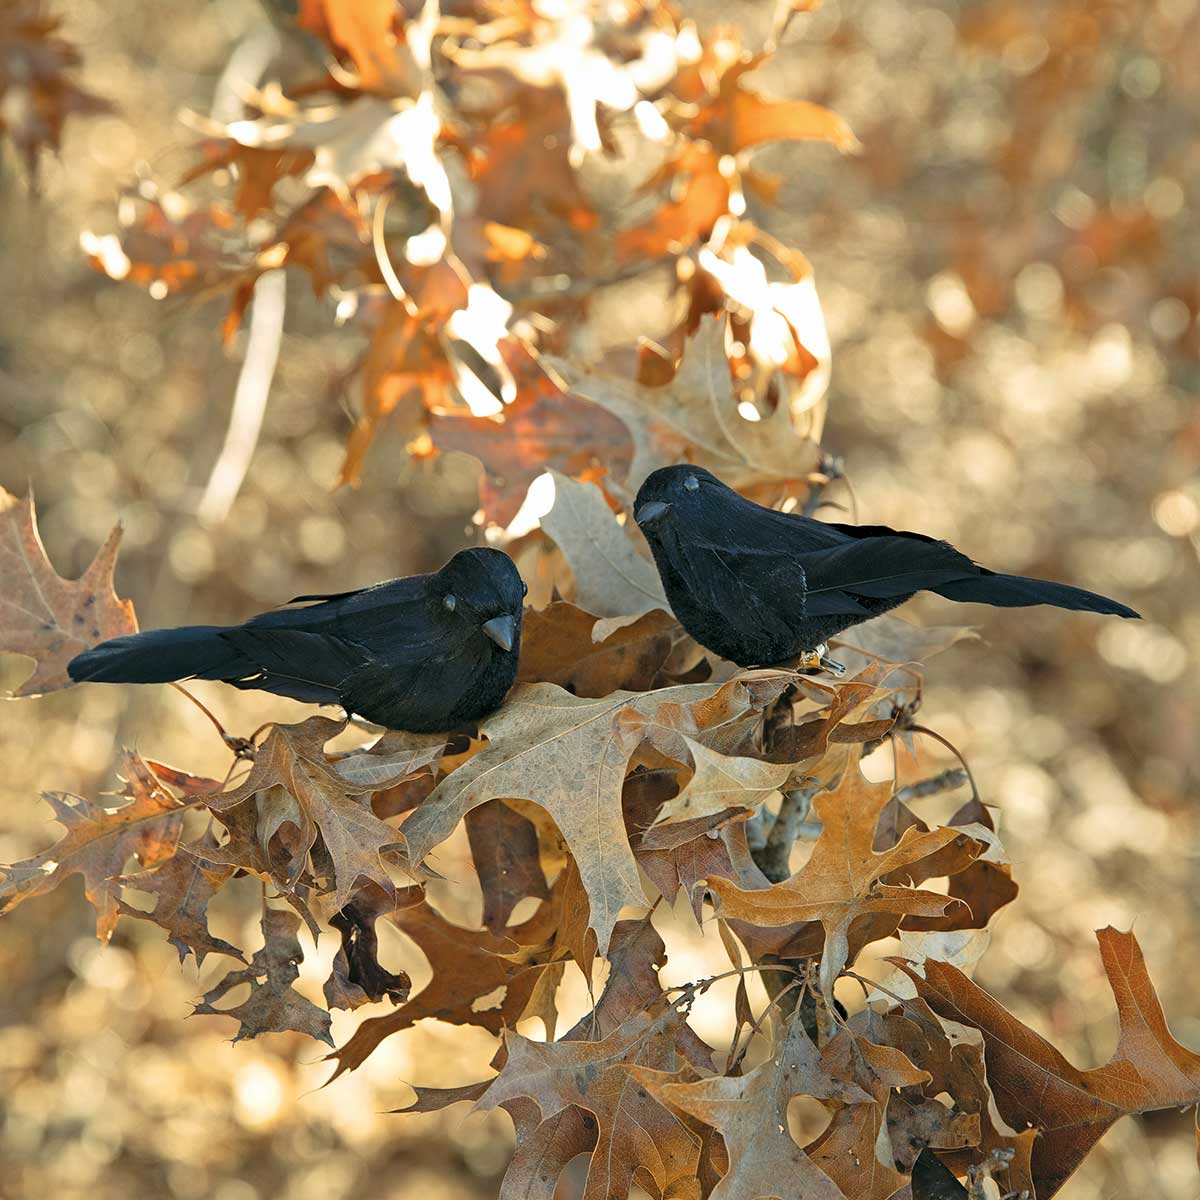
98	843
750	1113
842	879
1035	1085
635	1133
44	616
182	887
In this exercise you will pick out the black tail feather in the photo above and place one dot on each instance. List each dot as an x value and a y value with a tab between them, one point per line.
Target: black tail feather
161	656
1016	591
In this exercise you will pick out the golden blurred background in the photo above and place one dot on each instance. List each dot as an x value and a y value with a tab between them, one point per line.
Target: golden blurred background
1010	275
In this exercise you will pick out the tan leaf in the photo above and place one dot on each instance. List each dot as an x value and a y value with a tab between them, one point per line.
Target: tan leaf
611	578
568	755
722	781
841	880
855	1150
99	841
273	1005
750	1113
635	1133
44	616
1035	1085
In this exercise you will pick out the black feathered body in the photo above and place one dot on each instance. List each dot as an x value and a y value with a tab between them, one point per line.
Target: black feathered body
762	587
393	653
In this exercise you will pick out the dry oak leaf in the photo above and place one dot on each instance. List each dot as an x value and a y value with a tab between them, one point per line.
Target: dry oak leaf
182	887
46	617
98	843
558	646
953	1054
357	977
273	1005
750	1113
570	755
695	418
294	782
637	1135
1035	1085
36	95
841	880
479	978
720	782
543	427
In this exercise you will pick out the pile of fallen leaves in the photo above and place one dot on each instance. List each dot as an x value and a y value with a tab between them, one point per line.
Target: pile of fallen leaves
449	183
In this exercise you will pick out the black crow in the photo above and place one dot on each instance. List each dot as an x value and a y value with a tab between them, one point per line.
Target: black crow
762	587
428	653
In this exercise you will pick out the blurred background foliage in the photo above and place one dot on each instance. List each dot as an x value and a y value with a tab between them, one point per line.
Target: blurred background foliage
1009	273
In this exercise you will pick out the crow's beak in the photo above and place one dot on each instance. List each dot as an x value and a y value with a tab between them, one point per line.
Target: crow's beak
651	511
501	630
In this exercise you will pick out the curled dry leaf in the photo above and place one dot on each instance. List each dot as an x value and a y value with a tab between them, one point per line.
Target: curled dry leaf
633	1134
479	978
750	1113
558	645
274	1005
182	886
44	616
293	782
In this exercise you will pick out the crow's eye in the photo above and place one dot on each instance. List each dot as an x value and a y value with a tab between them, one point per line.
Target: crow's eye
451	602
524	588
691	483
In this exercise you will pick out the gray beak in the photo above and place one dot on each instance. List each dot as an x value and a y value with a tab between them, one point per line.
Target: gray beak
650	512
501	630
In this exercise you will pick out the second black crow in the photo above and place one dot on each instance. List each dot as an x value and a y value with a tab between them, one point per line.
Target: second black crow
762	587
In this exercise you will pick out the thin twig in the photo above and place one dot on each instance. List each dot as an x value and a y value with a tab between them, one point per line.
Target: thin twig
947	781
864	982
249	398
245	68
241	747
757	1024
773	858
937	737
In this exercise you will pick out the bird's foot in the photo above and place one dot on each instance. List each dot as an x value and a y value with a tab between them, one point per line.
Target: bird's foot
818	660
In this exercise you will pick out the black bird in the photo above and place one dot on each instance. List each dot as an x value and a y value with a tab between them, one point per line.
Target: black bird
426	654
762	587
